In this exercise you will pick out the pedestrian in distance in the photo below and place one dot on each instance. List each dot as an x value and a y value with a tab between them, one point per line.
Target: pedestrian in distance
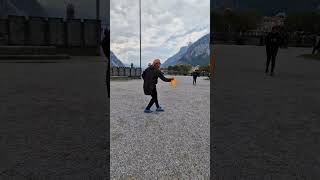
316	44
150	79
195	75
272	41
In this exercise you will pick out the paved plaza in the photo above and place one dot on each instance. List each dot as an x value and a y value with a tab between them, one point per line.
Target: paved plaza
266	127
53	120
174	144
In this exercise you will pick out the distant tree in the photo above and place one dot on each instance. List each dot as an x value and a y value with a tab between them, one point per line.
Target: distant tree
218	24
303	21
185	68
235	21
205	68
180	69
131	65
247	20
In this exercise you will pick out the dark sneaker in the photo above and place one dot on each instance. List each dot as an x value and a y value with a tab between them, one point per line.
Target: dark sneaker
147	111
160	109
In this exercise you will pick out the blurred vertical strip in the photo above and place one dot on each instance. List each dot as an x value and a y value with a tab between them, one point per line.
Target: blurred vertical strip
108	88
212	66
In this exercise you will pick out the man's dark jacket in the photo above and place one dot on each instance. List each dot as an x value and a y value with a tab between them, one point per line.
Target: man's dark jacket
195	74
273	41
150	77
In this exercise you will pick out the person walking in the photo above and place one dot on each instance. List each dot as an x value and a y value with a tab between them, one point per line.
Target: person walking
272	42
316	44
195	75
150	79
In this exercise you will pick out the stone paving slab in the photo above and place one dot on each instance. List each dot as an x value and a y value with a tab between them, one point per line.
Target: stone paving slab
265	127
53	121
169	145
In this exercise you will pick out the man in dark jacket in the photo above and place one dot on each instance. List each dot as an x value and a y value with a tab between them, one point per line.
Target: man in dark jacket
316	44
150	77
273	41
195	74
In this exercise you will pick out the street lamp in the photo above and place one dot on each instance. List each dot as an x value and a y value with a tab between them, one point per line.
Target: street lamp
140	33
98	9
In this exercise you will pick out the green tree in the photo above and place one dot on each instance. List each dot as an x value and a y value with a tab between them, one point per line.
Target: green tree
205	68
303	21
180	69
235	21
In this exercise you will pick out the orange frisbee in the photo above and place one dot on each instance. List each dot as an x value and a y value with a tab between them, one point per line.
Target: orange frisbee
174	83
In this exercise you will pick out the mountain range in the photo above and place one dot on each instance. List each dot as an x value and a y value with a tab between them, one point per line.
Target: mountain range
196	53
115	62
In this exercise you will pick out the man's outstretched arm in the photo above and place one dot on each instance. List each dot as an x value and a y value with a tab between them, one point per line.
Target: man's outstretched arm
161	76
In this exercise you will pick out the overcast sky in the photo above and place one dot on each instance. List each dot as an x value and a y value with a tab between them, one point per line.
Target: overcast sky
167	25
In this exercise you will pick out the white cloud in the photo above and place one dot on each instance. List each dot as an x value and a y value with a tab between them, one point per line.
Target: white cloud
166	26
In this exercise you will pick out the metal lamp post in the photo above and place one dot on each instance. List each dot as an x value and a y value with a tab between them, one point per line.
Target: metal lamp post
98	9
140	33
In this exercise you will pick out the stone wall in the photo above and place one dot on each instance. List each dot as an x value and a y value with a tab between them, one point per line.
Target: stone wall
36	30
125	71
121	71
91	33
74	37
56	32
16	30
115	71
251	39
138	72
74	31
3	32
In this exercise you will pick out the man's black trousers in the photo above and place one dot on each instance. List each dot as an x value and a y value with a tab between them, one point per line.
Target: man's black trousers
271	56
194	80
154	99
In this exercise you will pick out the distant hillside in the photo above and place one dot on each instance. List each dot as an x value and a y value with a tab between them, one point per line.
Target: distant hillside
197	53
175	58
115	62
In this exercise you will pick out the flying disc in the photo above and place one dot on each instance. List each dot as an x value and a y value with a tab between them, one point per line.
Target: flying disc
174	83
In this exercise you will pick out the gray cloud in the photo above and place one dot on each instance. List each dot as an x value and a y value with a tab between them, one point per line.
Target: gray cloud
166	26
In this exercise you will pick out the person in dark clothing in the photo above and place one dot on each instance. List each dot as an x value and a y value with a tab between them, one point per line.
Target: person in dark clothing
195	74
272	42
286	39
316	44
150	77
106	50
